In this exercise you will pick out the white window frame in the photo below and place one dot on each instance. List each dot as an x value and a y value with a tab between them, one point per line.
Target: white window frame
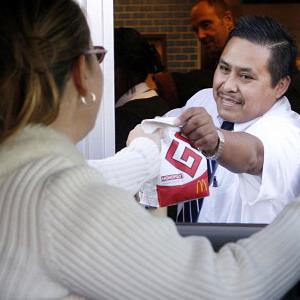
100	142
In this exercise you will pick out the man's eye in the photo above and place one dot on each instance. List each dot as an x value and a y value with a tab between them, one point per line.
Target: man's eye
246	77
205	25
224	68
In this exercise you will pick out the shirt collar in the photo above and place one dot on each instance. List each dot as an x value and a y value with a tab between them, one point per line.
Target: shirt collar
139	91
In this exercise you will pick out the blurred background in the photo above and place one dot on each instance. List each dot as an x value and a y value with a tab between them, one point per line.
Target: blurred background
166	23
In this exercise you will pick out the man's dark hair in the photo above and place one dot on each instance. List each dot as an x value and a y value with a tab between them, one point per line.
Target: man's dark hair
134	55
265	31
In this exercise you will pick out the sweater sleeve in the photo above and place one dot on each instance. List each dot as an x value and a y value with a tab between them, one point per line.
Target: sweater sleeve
130	168
99	243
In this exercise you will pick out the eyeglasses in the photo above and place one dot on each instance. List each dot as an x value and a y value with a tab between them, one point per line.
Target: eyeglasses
99	51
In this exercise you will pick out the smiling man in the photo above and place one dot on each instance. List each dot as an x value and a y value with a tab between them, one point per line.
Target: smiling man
258	170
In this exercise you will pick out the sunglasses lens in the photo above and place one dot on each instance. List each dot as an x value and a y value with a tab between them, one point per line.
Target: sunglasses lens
100	57
100	53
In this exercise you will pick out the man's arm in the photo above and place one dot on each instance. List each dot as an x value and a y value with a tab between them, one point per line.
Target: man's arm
242	152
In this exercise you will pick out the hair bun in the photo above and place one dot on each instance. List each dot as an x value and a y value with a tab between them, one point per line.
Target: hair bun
134	52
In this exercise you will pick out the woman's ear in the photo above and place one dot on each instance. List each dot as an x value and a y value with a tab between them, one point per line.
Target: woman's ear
282	86
80	75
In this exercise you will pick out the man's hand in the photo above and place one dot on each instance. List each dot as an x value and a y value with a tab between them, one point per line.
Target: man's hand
198	127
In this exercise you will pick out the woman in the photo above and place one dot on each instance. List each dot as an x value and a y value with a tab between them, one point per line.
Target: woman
135	60
66	231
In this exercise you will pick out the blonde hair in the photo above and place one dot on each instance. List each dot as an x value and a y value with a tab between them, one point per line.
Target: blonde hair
39	42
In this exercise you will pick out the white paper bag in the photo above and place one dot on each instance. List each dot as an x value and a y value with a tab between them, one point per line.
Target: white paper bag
183	174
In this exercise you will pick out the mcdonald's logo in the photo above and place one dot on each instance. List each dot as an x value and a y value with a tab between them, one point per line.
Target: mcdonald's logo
201	186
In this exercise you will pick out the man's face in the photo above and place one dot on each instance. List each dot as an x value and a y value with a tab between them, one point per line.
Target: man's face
242	82
211	30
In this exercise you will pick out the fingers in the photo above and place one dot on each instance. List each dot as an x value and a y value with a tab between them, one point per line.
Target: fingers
200	134
134	133
199	128
138	132
189	113
196	122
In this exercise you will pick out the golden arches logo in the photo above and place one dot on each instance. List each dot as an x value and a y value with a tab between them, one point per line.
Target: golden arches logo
201	186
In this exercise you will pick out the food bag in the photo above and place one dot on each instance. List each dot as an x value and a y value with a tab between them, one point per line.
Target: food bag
183	172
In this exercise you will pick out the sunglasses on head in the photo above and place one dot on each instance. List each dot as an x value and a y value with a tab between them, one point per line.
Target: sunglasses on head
99	51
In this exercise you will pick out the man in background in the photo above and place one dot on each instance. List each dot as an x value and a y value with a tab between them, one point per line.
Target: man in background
211	20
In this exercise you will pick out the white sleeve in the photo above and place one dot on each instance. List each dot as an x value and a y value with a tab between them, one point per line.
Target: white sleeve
99	243
131	167
281	168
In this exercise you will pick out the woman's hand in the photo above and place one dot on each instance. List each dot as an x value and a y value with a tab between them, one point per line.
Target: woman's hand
138	132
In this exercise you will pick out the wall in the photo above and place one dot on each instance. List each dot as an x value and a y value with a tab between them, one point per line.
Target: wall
169	17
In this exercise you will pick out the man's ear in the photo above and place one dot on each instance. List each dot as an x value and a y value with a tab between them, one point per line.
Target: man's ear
80	75
282	86
228	20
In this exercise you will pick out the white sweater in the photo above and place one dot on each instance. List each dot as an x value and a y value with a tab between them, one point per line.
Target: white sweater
65	233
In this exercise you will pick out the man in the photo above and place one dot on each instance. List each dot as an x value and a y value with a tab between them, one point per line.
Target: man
211	20
258	169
